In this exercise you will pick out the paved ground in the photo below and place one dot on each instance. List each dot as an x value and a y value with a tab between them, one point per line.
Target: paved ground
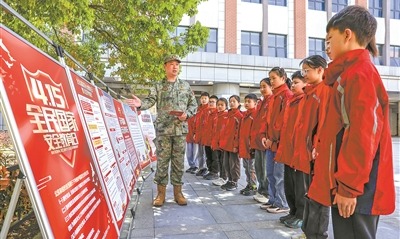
213	213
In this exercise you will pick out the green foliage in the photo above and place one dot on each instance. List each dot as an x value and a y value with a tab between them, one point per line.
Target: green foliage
136	33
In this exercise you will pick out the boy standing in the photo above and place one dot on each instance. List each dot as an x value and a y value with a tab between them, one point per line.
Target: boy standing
353	168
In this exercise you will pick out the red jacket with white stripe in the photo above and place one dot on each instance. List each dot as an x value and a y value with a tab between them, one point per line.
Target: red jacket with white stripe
209	118
230	135
218	129
199	122
245	133
354	145
258	131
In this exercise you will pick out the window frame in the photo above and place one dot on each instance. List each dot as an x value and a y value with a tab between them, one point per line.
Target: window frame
375	7
317	41
277	48
209	42
282	3
313	3
337	5
394	55
250	45
395	9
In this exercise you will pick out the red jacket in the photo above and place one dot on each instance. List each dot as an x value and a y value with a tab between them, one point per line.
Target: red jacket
230	134
258	131
189	136
218	130
209	118
199	121
355	147
275	115
286	147
245	133
313	110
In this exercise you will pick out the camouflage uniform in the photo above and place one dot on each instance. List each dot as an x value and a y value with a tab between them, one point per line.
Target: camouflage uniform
170	131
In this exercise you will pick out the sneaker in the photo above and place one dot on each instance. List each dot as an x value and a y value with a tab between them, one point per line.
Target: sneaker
201	172
266	205
211	176
294	223
219	182
275	209
189	170
245	189
252	191
232	186
194	170
285	218
299	236
260	198
227	184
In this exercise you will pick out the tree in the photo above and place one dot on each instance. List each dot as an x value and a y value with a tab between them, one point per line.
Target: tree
135	33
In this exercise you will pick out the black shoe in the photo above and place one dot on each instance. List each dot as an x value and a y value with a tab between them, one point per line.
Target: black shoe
202	172
189	170
194	170
251	191
226	185
232	186
211	176
294	223
245	189
285	218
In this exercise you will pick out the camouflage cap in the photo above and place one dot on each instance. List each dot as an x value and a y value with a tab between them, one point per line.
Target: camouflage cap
172	58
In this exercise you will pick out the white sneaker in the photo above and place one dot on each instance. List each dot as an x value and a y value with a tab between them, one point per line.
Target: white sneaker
219	182
260	198
299	236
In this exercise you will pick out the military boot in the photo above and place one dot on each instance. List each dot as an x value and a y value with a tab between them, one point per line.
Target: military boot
179	198
160	199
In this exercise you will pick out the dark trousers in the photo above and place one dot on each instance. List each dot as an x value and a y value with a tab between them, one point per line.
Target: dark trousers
213	163
232	166
219	155
209	156
295	190
358	225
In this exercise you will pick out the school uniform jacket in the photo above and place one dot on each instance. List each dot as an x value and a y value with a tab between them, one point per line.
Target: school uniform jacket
245	133
209	117
355	148
313	111
275	114
189	136
199	121
258	131
218	129
230	135
286	146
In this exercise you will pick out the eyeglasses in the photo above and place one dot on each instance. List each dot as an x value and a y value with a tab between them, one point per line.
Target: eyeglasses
212	102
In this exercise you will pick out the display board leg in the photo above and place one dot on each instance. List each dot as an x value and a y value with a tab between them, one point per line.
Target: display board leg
11	208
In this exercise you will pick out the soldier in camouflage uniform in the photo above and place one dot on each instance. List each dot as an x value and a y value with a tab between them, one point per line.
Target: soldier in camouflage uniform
172	96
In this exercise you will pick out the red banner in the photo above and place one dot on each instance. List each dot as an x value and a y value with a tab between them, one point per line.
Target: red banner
51	143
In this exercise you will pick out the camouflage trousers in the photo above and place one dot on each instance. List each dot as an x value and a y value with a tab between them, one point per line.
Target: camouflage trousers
170	154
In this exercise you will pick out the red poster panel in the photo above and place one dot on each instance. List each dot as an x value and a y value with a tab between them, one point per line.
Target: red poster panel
106	162
137	136
149	133
117	139
51	144
127	137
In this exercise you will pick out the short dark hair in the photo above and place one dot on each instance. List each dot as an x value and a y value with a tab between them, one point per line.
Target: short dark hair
214	97
314	61
297	74
251	96
205	94
359	20
267	81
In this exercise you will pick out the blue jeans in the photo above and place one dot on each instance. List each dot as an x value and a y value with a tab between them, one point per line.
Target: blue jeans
275	175
191	152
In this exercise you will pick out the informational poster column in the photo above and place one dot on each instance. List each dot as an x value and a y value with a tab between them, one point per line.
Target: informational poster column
51	145
149	133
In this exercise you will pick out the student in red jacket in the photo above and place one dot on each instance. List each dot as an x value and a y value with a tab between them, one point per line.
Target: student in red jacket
198	133
209	119
293	179
259	125
245	152
230	143
191	147
353	168
218	129
314	218
277	201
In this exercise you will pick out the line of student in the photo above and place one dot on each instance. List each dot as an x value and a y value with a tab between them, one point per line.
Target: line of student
321	143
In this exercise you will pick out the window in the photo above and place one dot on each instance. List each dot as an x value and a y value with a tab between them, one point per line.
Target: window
211	45
316	46
277	45
253	1
375	7
395	9
179	32
338	5
378	60
251	43
316	5
277	2
2	123
395	55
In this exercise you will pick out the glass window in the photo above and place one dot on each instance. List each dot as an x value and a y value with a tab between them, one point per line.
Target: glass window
338	5
395	55
277	2
251	43
316	46
316	5
277	46
395	9
375	7
212	43
378	60
253	1
179	32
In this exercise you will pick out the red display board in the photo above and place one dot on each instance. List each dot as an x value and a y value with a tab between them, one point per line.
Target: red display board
52	149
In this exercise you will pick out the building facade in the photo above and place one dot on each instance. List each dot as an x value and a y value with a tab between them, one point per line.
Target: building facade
249	37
